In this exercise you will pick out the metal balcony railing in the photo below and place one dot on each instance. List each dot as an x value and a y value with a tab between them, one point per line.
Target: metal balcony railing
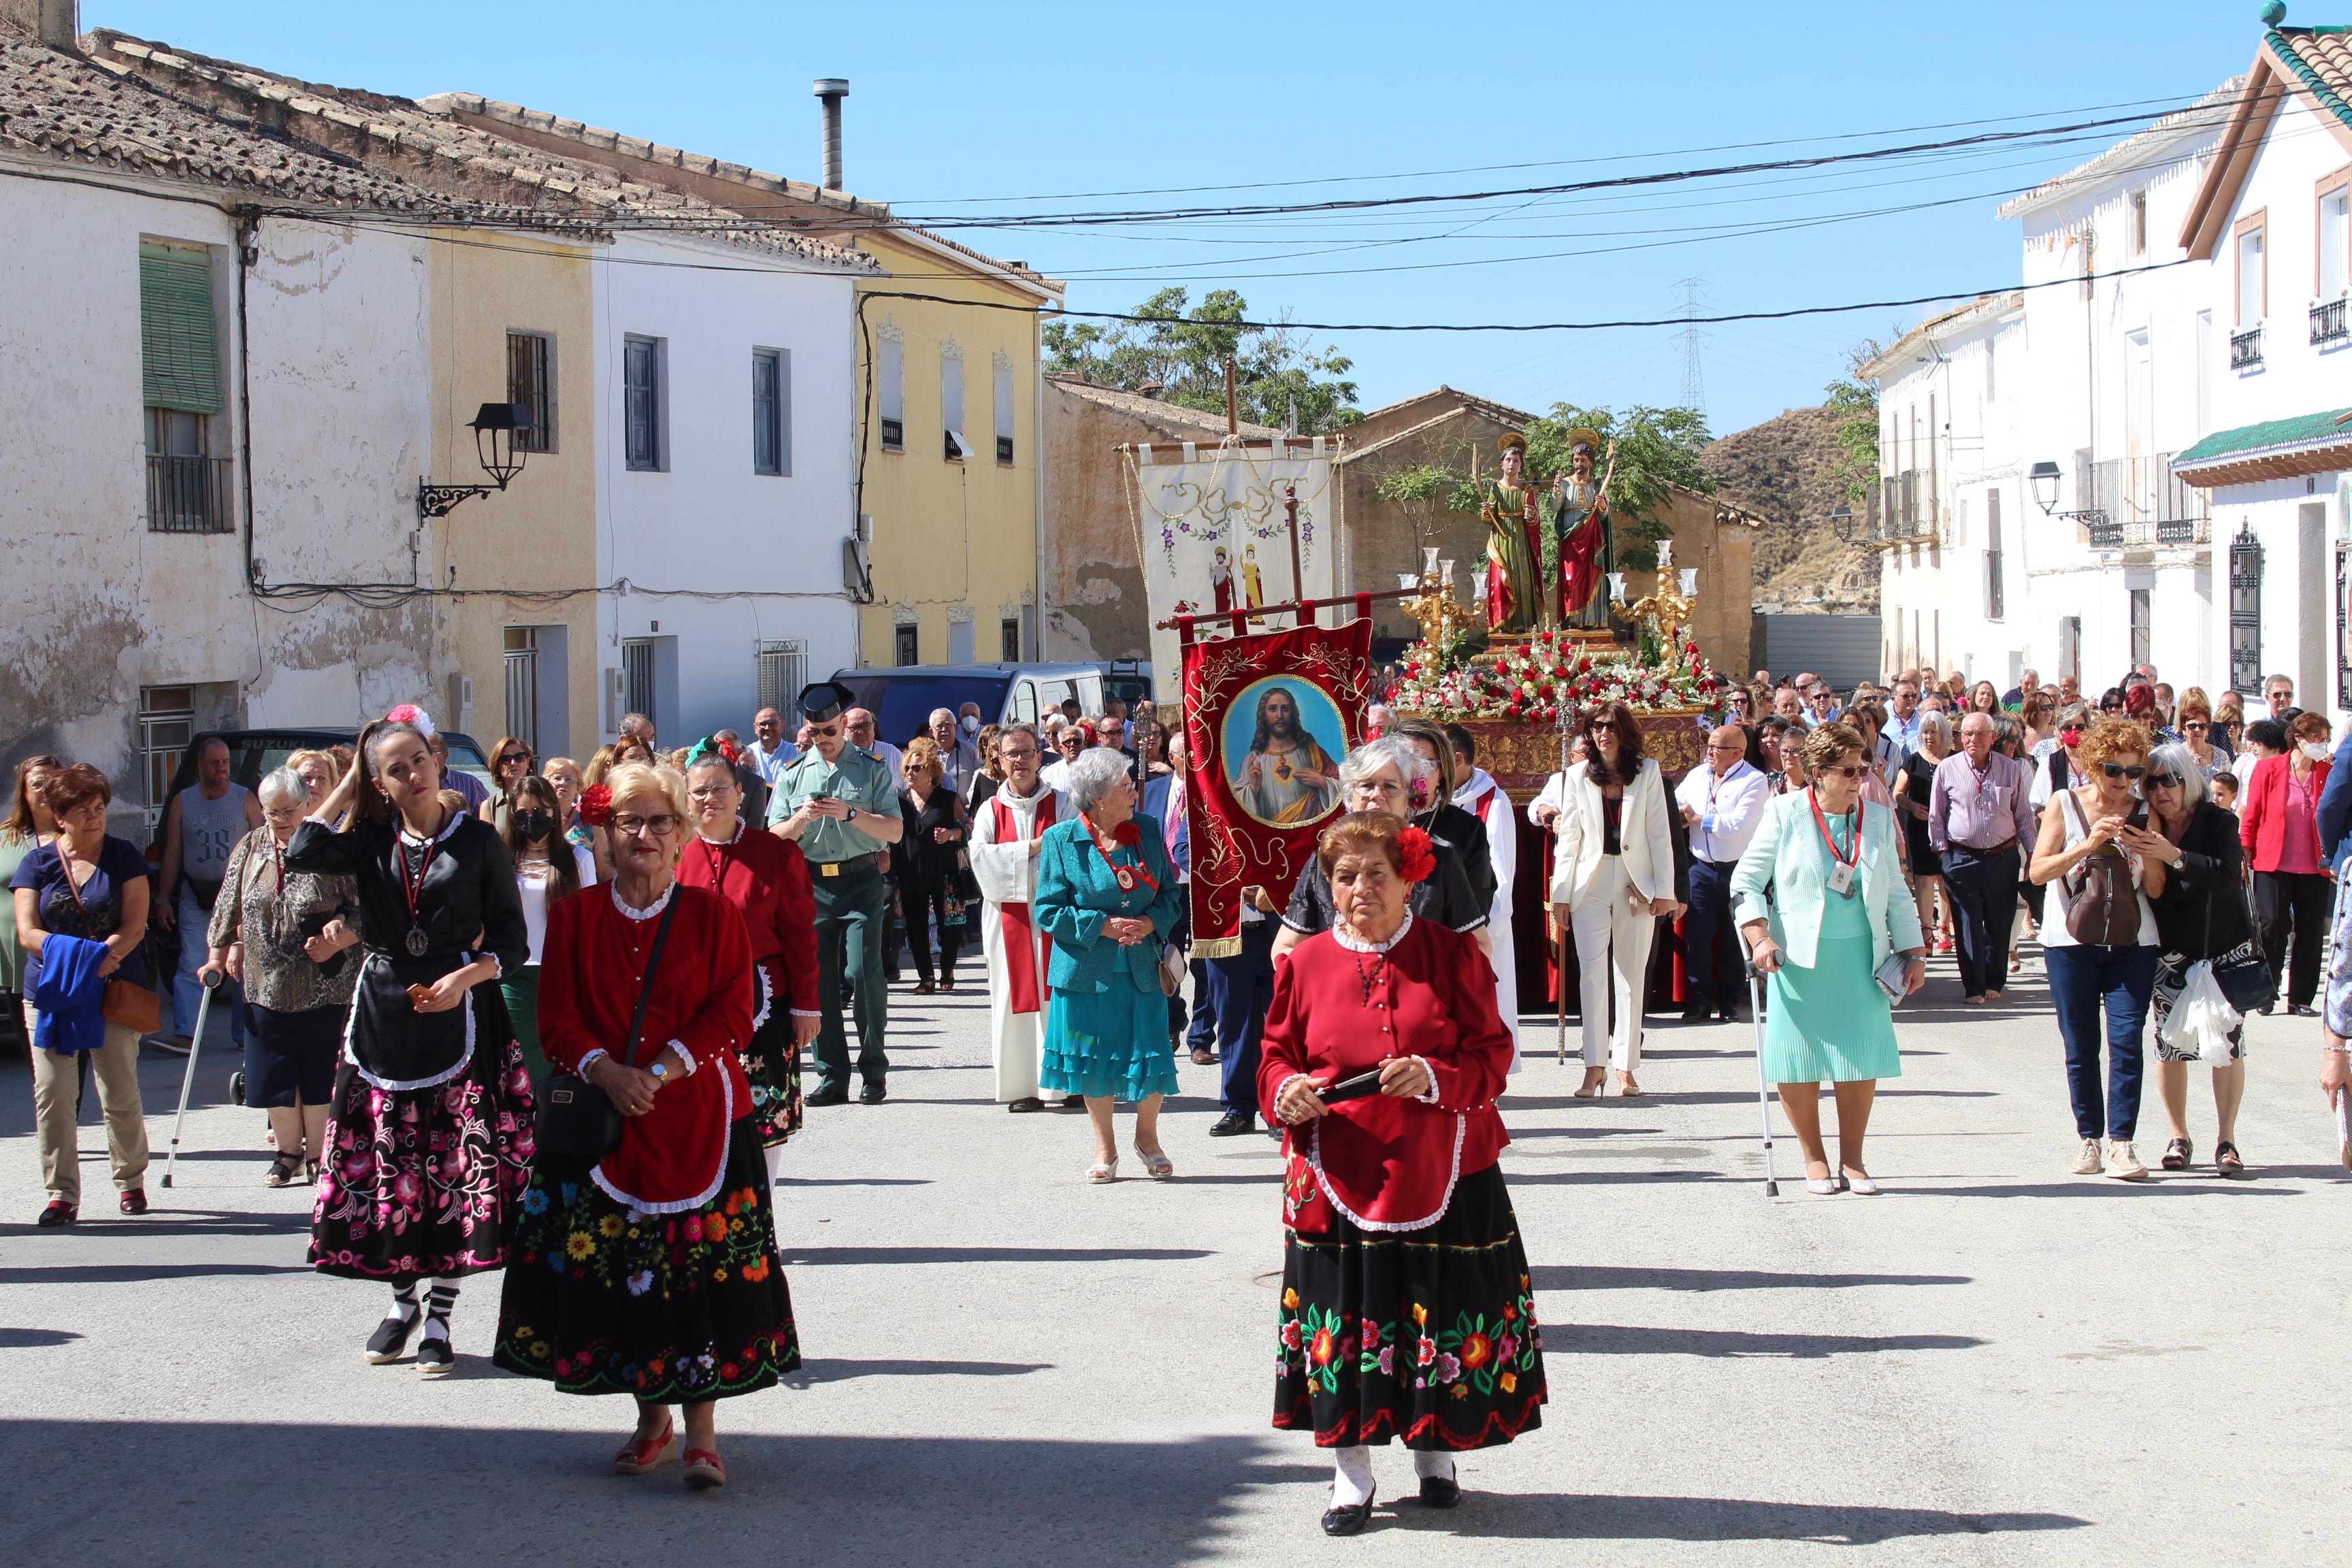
1904	512
2246	349
189	495
2328	324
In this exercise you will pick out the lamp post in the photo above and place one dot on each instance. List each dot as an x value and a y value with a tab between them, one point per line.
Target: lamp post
1841	521
498	430
2043	478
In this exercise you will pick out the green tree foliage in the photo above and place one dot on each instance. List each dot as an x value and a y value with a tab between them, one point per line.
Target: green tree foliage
1183	350
1855	403
1656	448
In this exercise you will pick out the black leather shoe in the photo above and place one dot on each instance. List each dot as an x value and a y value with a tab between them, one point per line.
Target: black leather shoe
2303	1010
1233	1124
1439	1491
829	1094
55	1215
1346	1521
1698	1012
1026	1102
1732	1015
872	1094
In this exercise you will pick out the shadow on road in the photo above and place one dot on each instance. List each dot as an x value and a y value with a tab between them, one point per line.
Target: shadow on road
1572	1276
1607	1339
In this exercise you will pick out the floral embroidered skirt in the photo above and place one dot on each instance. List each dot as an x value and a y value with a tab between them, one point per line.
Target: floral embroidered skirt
668	1307
772	1063
427	1181
1429	1335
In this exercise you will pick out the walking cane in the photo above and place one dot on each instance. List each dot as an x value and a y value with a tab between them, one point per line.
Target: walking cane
187	1078
1763	1095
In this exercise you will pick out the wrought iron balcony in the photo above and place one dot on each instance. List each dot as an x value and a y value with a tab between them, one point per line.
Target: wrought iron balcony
1904	508
2327	324
189	495
2246	349
2104	536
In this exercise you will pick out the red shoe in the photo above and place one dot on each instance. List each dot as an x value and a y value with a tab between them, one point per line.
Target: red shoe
134	1200
642	1454
703	1471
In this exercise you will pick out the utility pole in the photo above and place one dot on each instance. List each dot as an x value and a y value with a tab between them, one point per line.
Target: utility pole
1694	382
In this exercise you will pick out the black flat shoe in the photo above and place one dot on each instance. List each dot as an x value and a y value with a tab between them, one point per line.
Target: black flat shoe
1439	1491
1697	1015
1347	1519
872	1094
390	1341
2303	1010
1233	1124
1026	1102
828	1094
1731	1015
55	1215
1073	1102
435	1357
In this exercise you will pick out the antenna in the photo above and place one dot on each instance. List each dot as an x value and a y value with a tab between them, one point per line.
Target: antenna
1693	381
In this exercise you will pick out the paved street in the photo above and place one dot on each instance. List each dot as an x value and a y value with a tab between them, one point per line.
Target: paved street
1994	1363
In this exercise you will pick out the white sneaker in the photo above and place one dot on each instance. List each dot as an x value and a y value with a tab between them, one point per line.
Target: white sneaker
2127	1167
2087	1162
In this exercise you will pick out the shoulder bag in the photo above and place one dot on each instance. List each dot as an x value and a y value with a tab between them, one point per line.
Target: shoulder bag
124	1004
2102	901
576	1122
2242	972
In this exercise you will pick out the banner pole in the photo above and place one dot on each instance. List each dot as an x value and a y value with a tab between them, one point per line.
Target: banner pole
1560	959
1297	572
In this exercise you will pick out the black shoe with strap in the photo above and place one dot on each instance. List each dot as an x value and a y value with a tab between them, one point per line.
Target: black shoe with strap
2176	1155
1347	1519
2226	1161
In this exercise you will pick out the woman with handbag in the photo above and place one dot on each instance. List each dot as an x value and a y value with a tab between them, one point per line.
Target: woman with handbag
767	879
2201	918
2100	943
1107	898
645	1257
428	1148
1836	916
282	937
1407	1308
92	887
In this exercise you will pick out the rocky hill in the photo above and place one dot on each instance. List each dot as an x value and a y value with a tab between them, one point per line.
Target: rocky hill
1786	469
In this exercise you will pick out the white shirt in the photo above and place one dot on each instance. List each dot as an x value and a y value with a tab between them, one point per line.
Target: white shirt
1729	808
1057	774
891	757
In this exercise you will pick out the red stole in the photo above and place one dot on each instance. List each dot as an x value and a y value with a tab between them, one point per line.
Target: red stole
1019	933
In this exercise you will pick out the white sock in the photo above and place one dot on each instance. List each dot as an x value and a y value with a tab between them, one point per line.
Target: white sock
404	1303
1428	1462
775	1158
444	1298
1351	1476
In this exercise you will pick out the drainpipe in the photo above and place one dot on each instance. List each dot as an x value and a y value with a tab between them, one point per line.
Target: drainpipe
830	90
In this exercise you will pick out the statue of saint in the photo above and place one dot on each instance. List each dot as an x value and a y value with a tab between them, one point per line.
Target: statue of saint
1516	601
1582	524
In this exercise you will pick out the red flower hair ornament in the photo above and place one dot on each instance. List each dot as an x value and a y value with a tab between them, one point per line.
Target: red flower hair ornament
596	806
1419	855
1127	833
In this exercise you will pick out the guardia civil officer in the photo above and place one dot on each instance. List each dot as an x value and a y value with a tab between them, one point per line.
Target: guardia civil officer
840	804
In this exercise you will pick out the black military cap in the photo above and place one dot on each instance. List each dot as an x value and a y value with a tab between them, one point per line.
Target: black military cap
825	702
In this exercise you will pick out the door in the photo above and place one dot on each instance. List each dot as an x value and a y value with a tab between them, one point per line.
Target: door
522	685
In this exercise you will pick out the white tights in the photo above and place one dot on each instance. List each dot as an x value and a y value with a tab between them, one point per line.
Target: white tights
1351	1476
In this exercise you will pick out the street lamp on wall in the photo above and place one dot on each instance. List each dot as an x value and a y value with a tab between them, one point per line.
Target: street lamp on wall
498	445
2043	478
1841	521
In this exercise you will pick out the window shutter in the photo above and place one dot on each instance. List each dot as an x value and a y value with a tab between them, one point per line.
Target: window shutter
178	341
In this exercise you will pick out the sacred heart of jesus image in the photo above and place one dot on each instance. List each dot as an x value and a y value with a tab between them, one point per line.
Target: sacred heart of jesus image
1282	742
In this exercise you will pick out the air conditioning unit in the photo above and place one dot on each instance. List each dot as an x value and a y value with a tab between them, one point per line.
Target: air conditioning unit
617	698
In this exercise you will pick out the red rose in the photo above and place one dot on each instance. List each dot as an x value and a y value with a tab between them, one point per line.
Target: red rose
1420	857
596	806
1126	833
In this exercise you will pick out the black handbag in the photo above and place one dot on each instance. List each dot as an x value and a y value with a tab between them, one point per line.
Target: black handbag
577	1123
2243	974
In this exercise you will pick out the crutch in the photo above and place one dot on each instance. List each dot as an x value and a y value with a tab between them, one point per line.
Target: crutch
187	1079
1763	1090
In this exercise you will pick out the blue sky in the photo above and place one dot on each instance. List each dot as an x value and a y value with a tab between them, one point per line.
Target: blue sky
973	110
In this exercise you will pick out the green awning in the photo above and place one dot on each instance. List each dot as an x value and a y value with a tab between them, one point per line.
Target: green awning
2247	441
179	341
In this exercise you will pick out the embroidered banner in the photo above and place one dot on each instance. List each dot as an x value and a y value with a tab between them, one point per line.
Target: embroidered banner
1266	720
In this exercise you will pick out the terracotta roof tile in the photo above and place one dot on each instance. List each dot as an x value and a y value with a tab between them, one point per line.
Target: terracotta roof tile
2322	59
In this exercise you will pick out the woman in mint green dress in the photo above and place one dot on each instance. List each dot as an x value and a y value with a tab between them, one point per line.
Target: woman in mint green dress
1107	898
1838	911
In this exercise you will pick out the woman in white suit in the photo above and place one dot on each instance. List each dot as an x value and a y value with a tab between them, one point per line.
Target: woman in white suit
1612	879
1838	908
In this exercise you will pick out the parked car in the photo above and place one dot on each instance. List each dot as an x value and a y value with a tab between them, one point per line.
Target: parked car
901	697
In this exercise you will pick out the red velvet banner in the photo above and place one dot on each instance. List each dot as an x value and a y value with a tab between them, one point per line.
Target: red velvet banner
1266	720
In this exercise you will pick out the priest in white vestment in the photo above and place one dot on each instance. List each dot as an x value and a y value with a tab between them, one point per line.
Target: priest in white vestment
1004	837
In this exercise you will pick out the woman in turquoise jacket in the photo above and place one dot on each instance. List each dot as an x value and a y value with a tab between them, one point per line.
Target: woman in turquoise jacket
1107	898
1838	909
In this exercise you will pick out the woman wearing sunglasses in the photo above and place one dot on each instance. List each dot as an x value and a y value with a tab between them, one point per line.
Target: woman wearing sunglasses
2207	753
2200	916
2100	943
2278	822
1838	911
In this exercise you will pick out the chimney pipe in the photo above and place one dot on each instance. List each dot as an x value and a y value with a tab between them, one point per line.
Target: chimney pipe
830	90
56	23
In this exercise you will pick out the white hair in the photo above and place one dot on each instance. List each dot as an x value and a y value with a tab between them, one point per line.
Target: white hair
282	786
1933	720
1091	775
1370	758
2176	760
939	713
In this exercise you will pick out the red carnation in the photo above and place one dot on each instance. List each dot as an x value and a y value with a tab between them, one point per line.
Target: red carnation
1126	833
1420	857
596	806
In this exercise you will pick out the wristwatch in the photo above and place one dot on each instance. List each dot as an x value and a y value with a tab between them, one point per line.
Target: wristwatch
660	1069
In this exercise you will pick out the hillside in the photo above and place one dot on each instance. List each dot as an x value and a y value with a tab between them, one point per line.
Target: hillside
1785	469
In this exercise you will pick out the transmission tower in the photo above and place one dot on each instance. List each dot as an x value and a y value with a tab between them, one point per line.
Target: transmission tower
1693	381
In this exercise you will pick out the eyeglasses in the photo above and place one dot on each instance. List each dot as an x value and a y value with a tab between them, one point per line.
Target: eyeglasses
2111	707
1604	725
2197	725
508	759
2119	770
2164	781
709	792
661	827
1849	770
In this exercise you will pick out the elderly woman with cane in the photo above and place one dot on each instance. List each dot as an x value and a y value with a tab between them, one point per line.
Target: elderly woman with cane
1408	1309
1838	912
1107	897
653	1272
283	937
429	1143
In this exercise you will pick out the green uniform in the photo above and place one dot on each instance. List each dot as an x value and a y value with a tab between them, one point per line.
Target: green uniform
852	900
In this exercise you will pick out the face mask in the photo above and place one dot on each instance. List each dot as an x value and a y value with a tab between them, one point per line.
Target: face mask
969	724
534	825
2315	750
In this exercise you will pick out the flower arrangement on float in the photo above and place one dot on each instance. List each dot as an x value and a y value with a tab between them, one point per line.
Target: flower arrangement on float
1528	682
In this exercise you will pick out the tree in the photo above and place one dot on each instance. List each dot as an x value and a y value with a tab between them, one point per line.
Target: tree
1183	351
1656	448
1855	403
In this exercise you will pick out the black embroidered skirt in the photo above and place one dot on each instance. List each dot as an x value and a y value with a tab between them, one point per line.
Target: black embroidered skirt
1429	1335
666	1307
771	1061
423	1182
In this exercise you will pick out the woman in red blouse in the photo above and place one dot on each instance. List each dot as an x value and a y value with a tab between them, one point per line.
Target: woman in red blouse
652	1273
2278	823
766	879
1407	1307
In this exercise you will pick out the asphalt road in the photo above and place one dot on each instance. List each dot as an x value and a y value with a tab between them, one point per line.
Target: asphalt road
1995	1363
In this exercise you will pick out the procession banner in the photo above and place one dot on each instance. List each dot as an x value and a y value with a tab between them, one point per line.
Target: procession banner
1266	720
1214	532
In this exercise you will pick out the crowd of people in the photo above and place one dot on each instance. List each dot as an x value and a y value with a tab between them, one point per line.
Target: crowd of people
554	1025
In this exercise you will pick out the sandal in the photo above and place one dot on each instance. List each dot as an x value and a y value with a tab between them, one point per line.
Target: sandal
1158	1167
1103	1171
283	1171
2176	1155
639	1455
923	988
2226	1161
703	1471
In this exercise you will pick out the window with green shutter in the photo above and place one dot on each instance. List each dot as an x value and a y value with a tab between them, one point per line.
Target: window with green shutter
179	341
